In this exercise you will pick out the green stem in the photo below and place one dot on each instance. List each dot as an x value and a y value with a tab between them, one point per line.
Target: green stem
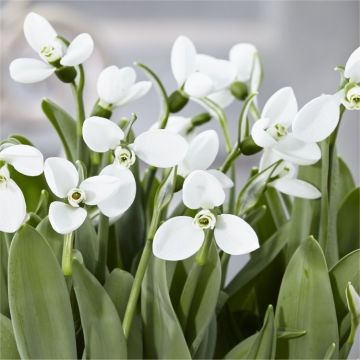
103	234
225	258
66	262
277	207
231	157
202	255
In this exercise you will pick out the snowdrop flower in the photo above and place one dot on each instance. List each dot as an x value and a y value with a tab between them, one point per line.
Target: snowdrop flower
103	190
182	236
351	100
176	124
242	56
352	67
53	52
27	160
271	131
159	147
117	87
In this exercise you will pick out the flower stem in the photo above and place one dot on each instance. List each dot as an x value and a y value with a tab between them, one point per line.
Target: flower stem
66	262
103	234
202	255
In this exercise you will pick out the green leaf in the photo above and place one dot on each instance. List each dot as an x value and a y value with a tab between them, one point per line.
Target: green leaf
207	348
264	345
39	301
306	302
163	337
103	334
8	349
348	225
241	350
4	301
64	125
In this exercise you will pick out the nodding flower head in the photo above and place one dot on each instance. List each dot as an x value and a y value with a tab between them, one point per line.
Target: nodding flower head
124	156
76	196
205	219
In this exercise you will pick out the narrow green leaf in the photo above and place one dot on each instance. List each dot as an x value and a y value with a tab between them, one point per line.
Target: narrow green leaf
306	302
289	333
103	334
39	301
4	255
241	350
330	351
8	349
207	348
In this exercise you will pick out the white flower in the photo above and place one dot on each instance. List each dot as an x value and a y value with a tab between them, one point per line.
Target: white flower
113	191
242	56
177	124
118	87
26	160
352	98
182	236
271	131
159	147
352	67
42	37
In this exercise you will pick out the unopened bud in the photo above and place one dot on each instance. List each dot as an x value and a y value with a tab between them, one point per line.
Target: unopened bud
239	90
177	101
248	147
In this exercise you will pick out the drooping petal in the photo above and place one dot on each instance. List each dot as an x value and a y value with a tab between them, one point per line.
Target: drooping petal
223	98
296	187
99	188
352	67
223	179
183	59
61	176
202	152
281	107
177	238
12	207
38	31
121	199
199	85
259	134
297	151
78	51
317	119
137	91
235	236
28	71
268	158
202	190
177	124
101	134
242	56
25	159
65	218
160	147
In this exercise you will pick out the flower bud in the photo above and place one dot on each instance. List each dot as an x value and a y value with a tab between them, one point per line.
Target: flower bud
248	146
239	90
66	74
177	101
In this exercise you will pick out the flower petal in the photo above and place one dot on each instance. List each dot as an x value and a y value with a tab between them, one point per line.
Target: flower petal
122	199
137	91
78	51
65	218
101	134
28	71
198	85
177	239
242	56
223	98
352	67
235	236
61	176
317	119
183	59
99	188
296	187
12	207
160	147
259	134
25	159
202	190
176	124
281	107
38	31
223	179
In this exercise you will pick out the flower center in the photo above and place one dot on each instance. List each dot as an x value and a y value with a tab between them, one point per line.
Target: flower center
125	156
76	197
205	219
52	53
277	131
4	177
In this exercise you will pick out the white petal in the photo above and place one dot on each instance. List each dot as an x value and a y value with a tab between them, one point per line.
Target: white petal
202	190
259	134
223	98
178	124
352	67
99	188
183	58
61	176
235	236
177	239
223	179
78	51
198	85
28	71
160	147
317	119
268	158
137	91
101	134
38	31
65	218
113	83
202	151
296	187
122	199
297	151
25	159
281	107
12	207
242	56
